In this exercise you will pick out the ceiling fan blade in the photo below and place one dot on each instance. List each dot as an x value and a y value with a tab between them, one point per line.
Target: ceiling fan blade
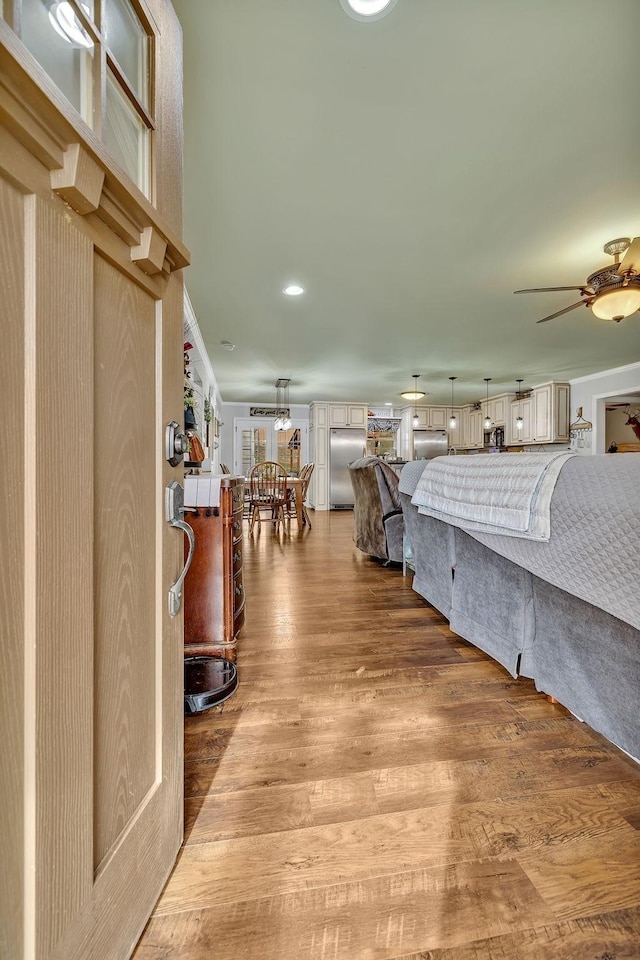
560	312
631	260
547	289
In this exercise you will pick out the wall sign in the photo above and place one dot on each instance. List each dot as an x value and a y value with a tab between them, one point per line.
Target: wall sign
269	412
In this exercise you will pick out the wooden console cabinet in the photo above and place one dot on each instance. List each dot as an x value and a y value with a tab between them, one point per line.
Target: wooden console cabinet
213	587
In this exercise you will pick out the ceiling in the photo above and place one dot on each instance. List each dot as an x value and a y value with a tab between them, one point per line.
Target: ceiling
410	173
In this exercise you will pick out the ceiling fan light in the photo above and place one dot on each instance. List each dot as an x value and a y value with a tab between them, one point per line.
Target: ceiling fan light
413	394
64	21
617	304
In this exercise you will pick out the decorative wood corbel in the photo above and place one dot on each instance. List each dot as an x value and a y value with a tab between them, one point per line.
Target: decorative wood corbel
79	181
149	255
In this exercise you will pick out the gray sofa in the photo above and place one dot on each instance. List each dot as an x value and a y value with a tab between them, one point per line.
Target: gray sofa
377	512
565	612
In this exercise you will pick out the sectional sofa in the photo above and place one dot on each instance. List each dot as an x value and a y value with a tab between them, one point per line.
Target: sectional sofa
565	612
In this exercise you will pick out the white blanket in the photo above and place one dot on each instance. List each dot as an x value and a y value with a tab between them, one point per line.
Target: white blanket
504	493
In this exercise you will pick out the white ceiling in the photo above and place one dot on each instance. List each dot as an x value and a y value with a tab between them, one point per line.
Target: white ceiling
410	173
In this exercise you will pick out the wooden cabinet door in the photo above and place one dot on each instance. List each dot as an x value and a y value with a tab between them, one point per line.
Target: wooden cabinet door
357	415
455	434
476	433
542	403
338	415
528	418
90	373
438	418
499	413
561	411
517	429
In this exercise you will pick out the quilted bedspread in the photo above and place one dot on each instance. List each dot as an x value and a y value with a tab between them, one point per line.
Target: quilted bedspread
594	547
492	493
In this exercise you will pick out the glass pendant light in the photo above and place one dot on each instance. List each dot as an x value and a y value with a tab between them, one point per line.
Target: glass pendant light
519	420
277	423
487	419
282	420
453	422
286	420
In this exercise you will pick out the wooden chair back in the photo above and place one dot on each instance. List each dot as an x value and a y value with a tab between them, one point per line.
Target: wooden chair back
268	492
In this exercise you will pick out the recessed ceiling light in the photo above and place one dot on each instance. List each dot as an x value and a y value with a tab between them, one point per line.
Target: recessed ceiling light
228	345
388	404
293	290
367	9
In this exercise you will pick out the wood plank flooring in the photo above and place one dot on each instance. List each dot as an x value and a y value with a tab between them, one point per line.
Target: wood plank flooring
378	789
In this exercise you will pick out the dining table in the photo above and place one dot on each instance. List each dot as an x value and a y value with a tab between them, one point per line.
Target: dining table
296	485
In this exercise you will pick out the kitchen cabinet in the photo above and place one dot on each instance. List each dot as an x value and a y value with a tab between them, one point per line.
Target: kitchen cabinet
347	415
475	429
213	586
521	408
545	415
551	412
498	408
438	418
429	418
455	434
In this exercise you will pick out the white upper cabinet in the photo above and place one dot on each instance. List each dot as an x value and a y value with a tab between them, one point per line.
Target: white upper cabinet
455	434
545	415
347	415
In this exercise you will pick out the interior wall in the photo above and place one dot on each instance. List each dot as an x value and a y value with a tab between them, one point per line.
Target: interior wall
590	392
204	384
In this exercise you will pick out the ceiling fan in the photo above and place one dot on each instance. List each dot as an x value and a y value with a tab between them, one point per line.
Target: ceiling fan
612	292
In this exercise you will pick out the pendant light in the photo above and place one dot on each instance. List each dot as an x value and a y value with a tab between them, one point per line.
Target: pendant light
487	419
416	392
453	421
286	420
519	420
283	419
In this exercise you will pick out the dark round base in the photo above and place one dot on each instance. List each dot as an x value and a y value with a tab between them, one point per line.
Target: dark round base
208	681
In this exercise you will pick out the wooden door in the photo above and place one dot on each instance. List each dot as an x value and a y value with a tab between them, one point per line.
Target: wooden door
90	371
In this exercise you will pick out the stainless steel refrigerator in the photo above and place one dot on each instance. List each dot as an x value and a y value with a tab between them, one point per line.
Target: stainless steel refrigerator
428	444
345	445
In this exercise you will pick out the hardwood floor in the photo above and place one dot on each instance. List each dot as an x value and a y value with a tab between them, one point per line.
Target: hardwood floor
378	789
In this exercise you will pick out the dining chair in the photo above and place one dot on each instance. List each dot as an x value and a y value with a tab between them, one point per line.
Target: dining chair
267	492
305	486
224	468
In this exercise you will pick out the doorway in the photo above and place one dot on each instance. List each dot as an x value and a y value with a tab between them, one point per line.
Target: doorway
255	440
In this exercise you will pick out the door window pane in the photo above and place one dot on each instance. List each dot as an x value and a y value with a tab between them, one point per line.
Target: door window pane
254	447
289	450
128	41
63	48
126	135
